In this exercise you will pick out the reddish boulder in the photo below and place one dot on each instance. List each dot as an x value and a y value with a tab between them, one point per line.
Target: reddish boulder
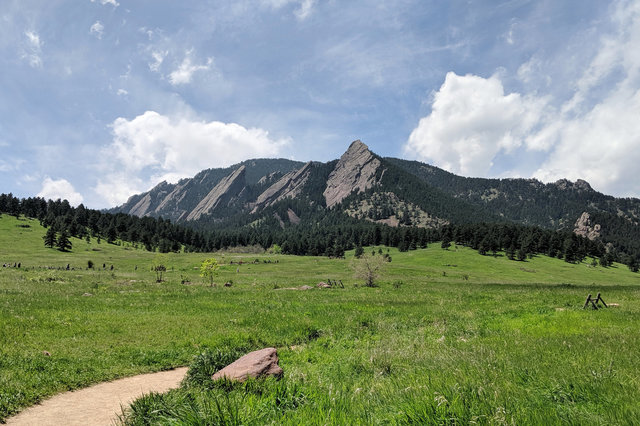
254	364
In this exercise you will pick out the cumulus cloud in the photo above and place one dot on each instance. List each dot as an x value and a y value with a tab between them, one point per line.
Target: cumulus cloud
97	29
33	49
60	188
597	136
472	120
154	147
593	135
185	71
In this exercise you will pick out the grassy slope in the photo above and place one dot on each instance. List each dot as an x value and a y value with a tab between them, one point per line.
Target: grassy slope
463	337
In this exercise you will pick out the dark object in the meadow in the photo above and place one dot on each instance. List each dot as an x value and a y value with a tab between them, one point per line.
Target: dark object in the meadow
254	364
594	302
228	284
334	283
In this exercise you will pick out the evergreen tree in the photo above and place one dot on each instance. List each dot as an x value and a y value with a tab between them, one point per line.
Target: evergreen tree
63	243
50	237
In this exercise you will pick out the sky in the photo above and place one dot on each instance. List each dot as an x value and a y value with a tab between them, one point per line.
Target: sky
103	99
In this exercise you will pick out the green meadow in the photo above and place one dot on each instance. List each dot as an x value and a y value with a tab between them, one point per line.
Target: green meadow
447	336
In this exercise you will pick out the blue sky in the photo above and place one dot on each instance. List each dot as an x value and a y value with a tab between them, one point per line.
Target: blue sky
101	99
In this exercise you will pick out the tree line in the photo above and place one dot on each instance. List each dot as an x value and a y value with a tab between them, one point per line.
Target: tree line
63	221
320	233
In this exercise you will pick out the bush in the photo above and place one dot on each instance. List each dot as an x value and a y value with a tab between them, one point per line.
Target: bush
207	363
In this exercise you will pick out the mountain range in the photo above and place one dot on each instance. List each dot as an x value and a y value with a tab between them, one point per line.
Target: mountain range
391	191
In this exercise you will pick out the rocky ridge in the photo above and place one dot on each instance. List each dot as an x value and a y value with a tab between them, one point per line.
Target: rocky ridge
289	186
355	171
584	227
228	188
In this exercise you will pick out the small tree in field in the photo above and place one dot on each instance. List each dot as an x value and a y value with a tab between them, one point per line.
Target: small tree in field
209	269
368	268
63	243
159	266
50	237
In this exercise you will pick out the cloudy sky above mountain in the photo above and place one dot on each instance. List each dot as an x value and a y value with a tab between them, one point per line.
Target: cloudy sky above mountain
100	99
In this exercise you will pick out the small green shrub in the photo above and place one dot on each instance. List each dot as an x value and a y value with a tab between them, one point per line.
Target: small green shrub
207	363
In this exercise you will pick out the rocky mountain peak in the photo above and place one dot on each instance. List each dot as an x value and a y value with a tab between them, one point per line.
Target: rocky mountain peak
355	171
583	185
579	185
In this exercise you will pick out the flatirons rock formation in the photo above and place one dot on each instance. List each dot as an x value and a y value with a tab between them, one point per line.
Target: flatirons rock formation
270	194
355	171
228	188
289	186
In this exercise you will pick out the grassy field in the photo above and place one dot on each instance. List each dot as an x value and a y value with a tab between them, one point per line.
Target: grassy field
448	336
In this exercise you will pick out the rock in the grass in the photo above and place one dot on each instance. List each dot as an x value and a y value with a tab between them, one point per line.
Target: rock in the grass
305	287
87	294
254	364
322	284
46	353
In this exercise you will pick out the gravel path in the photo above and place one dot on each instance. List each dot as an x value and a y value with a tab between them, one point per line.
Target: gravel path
98	404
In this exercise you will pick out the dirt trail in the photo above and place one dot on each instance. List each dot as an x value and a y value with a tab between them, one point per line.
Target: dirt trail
98	404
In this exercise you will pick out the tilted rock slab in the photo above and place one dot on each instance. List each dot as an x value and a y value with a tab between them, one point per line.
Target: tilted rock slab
356	170
254	364
289	186
224	191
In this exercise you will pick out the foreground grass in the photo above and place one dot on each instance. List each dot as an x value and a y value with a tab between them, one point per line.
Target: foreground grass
448	337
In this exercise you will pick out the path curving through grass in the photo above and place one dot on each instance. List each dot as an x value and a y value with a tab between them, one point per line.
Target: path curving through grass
99	404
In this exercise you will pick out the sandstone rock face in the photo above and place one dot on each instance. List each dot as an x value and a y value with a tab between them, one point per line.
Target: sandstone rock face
579	185
289	186
254	364
355	170
223	192
142	207
584	227
293	217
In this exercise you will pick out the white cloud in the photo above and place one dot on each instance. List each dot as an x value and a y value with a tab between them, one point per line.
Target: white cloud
158	57
113	3
472	120
593	135
184	73
33	49
97	29
122	92
61	188
597	136
153	147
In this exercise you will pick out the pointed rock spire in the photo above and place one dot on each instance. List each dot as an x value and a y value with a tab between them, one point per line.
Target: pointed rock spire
356	170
